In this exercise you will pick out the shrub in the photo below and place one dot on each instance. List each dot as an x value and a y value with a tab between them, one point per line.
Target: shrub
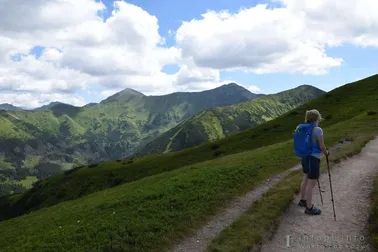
217	153
92	165
254	135
371	113
117	181
118	160
328	117
349	139
130	161
60	195
215	146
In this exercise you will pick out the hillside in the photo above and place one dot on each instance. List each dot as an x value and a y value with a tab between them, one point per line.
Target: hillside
48	106
174	193
6	106
56	137
216	123
354	104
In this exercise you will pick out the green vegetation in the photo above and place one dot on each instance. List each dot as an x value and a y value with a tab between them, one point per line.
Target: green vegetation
262	217
6	106
150	212
65	135
5	165
170	195
362	96
217	123
32	161
28	181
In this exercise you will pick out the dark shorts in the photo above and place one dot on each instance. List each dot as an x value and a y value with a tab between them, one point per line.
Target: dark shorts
311	167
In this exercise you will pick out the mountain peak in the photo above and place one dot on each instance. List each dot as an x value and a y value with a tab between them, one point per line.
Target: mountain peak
49	106
130	91
230	85
7	106
310	88
125	94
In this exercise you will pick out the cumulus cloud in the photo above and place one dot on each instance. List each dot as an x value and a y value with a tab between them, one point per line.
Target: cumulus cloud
259	39
82	50
291	38
32	100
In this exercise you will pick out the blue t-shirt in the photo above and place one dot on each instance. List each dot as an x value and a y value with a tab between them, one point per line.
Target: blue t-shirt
316	132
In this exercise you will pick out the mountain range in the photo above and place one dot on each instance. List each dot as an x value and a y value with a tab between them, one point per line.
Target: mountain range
154	202
39	143
7	106
216	123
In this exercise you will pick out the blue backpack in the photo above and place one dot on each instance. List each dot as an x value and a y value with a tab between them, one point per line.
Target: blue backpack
303	139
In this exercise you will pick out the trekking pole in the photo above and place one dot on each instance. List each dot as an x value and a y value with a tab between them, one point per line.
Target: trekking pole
330	183
320	192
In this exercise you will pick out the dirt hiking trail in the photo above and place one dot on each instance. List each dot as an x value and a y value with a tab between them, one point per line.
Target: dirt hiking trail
352	182
203	237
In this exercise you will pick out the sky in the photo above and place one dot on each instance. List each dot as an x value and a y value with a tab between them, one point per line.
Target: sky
82	51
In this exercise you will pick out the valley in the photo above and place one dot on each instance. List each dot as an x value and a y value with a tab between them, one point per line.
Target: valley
55	138
152	202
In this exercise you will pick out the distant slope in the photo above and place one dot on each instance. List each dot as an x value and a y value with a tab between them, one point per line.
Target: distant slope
353	104
48	106
150	214
6	106
58	136
217	123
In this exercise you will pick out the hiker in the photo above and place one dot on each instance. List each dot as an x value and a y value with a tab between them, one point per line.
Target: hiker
310	152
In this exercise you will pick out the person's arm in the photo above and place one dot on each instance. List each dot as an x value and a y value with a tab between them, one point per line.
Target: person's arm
322	145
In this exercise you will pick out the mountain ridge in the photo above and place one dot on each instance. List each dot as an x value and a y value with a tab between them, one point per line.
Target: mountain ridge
130	91
8	106
168	188
216	123
61	136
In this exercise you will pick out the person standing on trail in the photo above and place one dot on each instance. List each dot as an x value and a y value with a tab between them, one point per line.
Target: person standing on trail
309	144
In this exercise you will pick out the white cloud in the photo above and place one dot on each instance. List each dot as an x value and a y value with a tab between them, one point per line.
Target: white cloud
188	75
254	89
259	39
32	100
337	22
291	38
20	18
84	50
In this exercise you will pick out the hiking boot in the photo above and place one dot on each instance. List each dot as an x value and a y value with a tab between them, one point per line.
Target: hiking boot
312	211
302	203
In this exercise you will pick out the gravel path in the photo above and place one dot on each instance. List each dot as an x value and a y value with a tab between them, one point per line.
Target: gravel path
352	182
203	237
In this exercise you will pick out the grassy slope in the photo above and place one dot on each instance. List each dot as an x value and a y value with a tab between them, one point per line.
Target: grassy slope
176	200
341	104
263	216
67	136
216	123
149	214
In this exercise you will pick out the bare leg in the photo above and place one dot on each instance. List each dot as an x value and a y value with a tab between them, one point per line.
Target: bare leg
303	187
310	185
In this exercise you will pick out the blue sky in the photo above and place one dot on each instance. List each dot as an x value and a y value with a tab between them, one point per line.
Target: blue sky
359	60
